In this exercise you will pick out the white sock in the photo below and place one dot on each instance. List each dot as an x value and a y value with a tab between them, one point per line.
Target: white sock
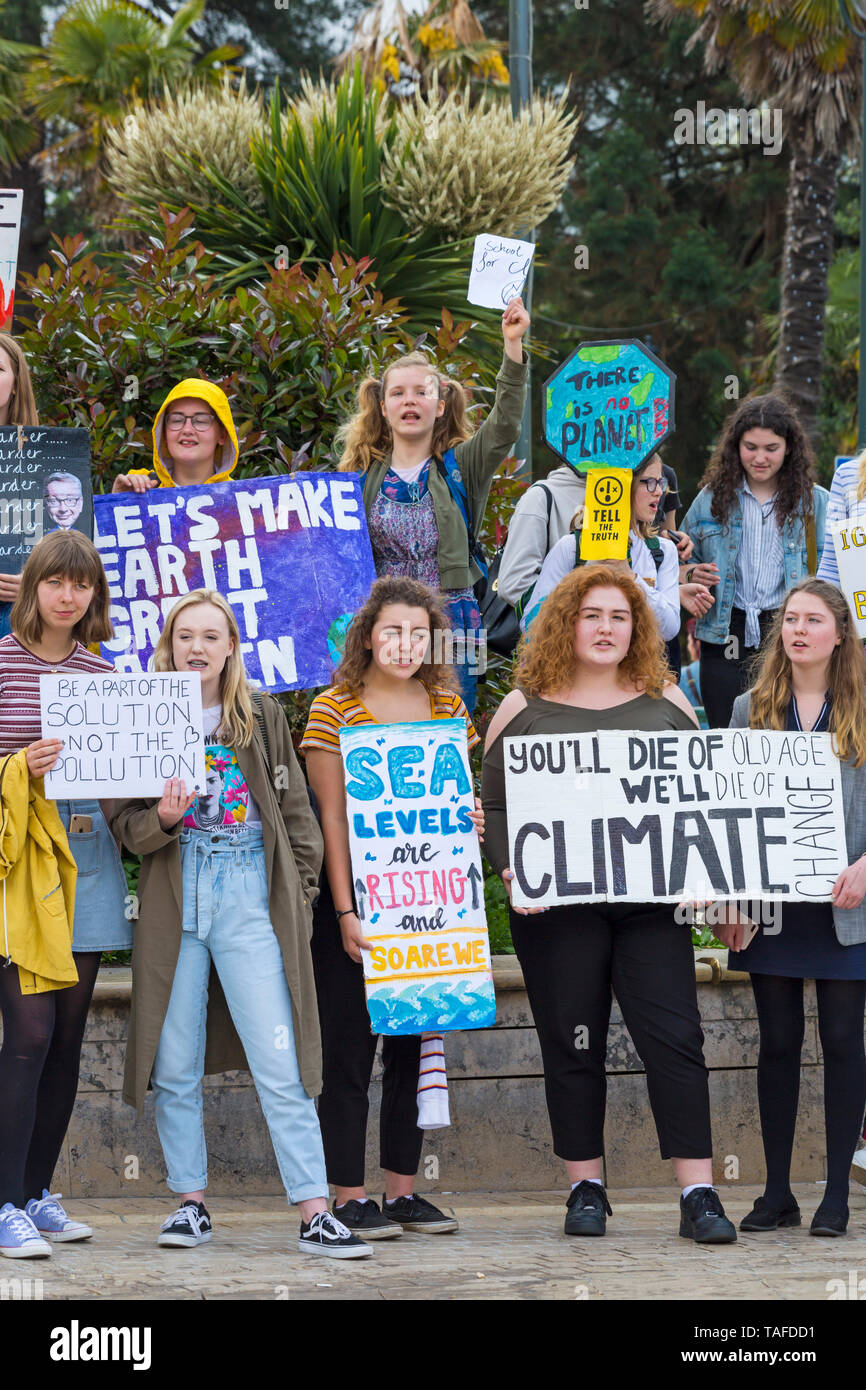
360	1200
580	1180
695	1185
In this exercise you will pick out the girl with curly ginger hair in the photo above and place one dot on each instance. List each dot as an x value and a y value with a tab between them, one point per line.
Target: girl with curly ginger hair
392	672
758	527
596	662
412	441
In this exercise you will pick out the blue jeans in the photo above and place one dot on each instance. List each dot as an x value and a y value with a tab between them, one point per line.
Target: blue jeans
226	920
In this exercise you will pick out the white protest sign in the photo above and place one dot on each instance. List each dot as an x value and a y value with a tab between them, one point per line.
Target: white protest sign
11	203
417	876
849	542
123	735
670	817
500	266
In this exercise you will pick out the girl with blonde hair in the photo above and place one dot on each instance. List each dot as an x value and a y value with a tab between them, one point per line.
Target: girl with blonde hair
596	661
222	972
427	475
811	676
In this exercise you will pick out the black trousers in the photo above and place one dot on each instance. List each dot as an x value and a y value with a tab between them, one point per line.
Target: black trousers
724	677
571	957
348	1051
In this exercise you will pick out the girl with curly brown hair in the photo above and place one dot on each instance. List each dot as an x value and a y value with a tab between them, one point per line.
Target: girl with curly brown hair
758	529
596	662
392	671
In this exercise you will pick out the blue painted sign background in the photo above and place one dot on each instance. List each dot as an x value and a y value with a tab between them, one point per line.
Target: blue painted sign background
609	405
291	554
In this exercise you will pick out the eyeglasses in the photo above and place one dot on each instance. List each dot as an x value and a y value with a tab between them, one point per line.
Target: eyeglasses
176	419
62	501
654	484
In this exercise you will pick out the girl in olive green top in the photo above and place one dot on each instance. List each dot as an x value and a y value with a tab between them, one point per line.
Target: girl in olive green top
410	432
597	661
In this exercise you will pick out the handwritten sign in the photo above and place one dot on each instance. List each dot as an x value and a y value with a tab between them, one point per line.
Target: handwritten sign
11	204
609	405
290	554
500	266
123	735
44	487
640	817
849	543
417	873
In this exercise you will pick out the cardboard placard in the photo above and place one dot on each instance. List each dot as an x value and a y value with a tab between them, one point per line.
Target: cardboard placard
44	487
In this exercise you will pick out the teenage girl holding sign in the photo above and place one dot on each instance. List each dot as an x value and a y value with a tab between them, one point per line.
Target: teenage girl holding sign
216	988
61	608
405	425
387	676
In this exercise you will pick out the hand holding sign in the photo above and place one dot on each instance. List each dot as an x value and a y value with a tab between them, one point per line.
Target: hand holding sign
500	266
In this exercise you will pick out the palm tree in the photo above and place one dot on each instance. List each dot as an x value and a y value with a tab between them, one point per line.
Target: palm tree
797	55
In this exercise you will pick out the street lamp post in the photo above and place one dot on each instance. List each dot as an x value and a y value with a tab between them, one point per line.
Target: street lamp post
854	15
520	72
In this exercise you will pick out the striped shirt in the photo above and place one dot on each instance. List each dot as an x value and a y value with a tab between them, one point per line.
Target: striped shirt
760	571
844	505
337	709
20	669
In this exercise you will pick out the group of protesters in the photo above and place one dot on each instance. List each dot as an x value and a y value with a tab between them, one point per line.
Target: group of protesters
249	929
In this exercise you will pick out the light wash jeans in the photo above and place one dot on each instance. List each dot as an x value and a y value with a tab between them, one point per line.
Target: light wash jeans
225	919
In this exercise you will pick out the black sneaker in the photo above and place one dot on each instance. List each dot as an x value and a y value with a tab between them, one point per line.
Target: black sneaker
417	1214
189	1225
365	1219
587	1204
765	1217
326	1235
702	1218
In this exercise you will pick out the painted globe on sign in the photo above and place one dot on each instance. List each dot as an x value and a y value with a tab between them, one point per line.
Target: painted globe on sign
337	637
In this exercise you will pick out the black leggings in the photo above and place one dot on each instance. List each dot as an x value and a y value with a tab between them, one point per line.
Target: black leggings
570	957
348	1051
779	1000
39	1060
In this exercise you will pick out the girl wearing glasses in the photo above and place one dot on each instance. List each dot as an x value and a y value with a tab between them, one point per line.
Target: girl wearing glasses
758	528
194	441
651	559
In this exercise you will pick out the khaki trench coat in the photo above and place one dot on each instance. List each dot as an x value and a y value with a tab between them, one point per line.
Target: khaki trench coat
293	852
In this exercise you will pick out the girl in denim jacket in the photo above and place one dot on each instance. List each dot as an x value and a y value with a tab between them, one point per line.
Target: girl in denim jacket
758	529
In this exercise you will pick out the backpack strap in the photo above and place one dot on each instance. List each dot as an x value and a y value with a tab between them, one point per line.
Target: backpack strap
258	711
654	546
449	470
520	605
811	544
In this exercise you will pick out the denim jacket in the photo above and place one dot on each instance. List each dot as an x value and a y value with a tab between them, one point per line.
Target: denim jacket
721	544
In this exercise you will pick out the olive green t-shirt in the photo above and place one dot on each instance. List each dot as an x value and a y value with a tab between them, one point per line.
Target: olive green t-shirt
643	714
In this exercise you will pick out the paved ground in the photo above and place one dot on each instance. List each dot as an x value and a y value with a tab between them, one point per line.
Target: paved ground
510	1246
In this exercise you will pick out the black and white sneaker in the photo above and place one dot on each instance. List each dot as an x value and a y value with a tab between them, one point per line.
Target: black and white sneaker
417	1214
189	1225
326	1235
366	1220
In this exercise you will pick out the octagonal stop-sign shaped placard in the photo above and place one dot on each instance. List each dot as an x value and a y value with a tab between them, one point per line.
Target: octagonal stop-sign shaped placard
609	405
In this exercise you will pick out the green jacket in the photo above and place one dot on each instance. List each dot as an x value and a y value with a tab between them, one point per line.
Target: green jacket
479	458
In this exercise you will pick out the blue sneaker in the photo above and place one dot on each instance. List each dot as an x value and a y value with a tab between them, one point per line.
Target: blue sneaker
51	1220
19	1238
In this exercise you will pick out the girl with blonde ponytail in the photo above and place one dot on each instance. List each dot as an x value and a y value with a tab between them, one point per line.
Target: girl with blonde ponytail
426	476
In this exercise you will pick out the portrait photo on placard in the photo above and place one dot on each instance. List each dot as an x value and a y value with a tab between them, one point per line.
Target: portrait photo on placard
44	487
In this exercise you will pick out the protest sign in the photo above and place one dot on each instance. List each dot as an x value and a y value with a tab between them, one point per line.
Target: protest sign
652	817
11	203
849	543
44	487
500	266
417	875
606	514
609	405
291	554
123	735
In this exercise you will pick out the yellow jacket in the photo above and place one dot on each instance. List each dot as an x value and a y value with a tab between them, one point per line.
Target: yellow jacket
37	882
218	401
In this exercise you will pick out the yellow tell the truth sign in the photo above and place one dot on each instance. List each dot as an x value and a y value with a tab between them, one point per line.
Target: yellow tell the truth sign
606	514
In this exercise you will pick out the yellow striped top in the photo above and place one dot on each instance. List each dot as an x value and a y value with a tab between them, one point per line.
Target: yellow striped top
337	708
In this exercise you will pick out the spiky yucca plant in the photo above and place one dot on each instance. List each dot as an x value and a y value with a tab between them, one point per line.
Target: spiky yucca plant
159	150
463	169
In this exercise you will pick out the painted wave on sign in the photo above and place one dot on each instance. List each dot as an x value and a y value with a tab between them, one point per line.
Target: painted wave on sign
432	1006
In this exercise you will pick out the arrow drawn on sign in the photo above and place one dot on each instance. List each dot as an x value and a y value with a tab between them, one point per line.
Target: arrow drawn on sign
474	877
360	890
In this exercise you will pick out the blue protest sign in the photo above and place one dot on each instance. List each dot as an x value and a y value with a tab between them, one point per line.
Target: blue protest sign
609	405
291	554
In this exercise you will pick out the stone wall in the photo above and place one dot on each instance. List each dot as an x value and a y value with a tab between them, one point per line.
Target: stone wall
499	1137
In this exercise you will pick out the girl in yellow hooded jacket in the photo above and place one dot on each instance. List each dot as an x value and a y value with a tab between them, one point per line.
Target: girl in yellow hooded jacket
194	440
